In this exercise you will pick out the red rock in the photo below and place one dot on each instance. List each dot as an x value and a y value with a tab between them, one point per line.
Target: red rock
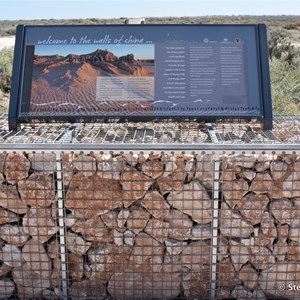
279	275
197	284
233	191
75	266
56	274
110	219
153	168
146	250
172	182
118	237
2	179
223	248
131	159
129	238
280	250
37	190
239	292
43	265
262	166
226	275
85	164
136	283
76	244
158	229
39	224
156	204
283	211
11	256
232	224
53	249
262	184
295	230
29	282
278	170
258	294
248	174
261	240
122	217
267	225
107	259
16	167
283	231
248	276
51	295
14	234
7	216
290	187
5	269
137	219
7	288
293	251
45	162
175	247
93	230
135	185
172	264
252	207
201	232
88	289
9	199
68	168
241	160
2	162
239	254
88	197
194	201
170	167
180	225
195	255
227	174
112	167
261	257
204	170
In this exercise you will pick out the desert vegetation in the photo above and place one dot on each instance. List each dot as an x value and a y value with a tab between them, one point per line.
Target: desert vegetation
284	52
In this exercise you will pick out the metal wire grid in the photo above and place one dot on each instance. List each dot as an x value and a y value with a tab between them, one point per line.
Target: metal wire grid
164	132
144	232
29	231
258	241
137	226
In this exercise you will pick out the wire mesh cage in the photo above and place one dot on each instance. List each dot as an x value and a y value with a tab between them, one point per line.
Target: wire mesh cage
29	230
143	223
158	224
258	241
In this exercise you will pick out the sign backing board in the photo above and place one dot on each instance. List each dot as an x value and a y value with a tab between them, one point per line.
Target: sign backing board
137	72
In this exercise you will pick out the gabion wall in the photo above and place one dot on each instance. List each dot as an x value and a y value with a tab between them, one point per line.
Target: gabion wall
149	226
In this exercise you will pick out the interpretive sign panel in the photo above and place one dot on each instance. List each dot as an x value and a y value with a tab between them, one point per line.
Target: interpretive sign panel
140	71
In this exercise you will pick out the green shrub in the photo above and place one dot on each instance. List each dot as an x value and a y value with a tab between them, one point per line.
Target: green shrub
293	25
285	84
6	61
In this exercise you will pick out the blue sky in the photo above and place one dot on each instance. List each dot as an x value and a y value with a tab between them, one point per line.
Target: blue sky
140	52
68	9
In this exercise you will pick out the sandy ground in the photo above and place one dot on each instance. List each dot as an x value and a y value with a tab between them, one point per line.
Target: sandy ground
296	44
7	41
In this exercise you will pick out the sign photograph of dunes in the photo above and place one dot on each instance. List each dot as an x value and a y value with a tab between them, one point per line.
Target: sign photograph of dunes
92	79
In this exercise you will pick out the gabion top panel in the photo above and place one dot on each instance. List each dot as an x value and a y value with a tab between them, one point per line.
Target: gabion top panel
286	131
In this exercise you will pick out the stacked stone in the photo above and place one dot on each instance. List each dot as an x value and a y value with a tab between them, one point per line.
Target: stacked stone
138	226
259	222
29	243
